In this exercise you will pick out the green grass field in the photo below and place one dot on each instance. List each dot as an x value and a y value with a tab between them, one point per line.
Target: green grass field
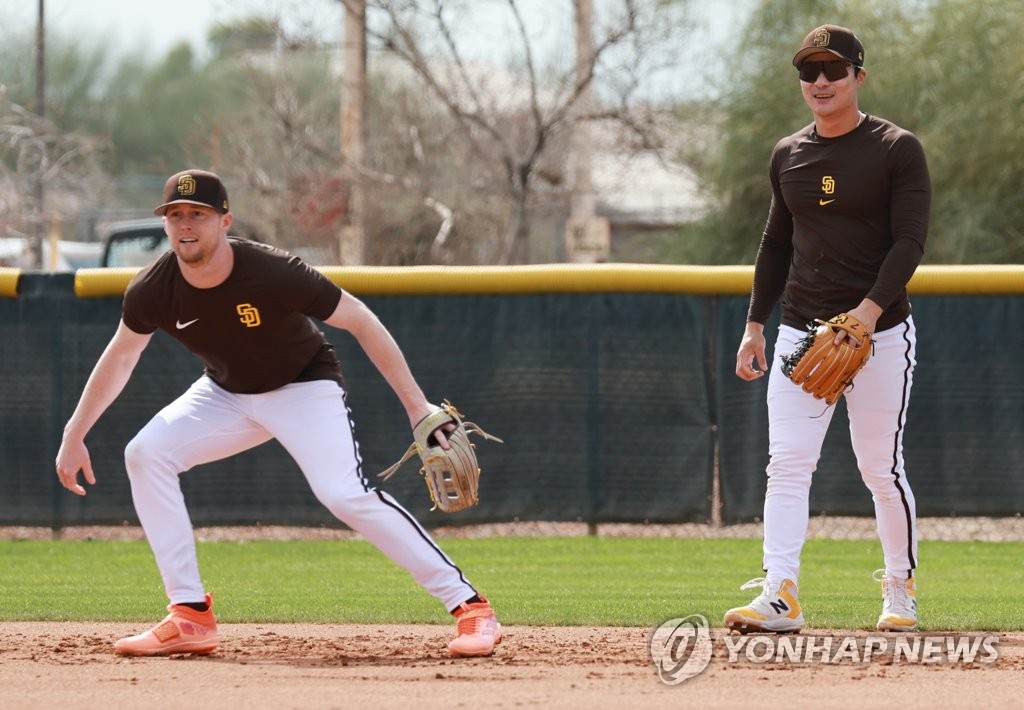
531	581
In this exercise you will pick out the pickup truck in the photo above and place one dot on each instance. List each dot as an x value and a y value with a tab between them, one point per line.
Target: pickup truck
134	243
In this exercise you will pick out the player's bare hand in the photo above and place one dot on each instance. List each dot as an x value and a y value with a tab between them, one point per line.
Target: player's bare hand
751	362
868	313
72	458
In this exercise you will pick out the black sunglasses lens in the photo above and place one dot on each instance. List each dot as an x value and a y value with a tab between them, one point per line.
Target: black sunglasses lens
834	70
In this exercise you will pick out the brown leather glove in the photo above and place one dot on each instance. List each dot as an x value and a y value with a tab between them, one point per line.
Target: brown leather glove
823	368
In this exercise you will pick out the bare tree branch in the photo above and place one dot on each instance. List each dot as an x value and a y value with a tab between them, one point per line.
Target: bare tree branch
531	70
513	123
33	151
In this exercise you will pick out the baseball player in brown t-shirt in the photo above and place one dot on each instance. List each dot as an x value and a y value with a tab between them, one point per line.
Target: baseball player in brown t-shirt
245	310
845	232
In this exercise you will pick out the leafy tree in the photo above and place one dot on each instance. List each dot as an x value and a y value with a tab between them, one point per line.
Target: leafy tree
76	72
252	33
165	114
967	106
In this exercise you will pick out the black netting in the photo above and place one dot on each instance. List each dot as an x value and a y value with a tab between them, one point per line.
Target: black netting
602	402
613	407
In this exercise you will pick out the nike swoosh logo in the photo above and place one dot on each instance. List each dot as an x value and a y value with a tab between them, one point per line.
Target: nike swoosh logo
179	325
825	202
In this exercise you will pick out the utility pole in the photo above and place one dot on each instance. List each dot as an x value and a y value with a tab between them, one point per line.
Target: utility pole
587	237
352	246
39	202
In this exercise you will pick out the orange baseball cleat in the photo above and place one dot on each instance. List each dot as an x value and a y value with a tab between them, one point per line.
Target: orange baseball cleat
478	629
184	630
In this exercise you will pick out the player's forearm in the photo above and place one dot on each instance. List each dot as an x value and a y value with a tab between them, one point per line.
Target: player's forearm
386	356
353	315
771	268
384	353
895	272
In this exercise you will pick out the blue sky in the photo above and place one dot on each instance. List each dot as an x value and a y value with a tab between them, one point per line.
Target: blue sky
154	26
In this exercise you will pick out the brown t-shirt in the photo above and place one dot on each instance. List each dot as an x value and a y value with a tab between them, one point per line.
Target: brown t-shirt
253	331
848	220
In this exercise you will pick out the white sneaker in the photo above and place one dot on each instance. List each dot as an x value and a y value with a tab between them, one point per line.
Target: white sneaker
899	603
776	609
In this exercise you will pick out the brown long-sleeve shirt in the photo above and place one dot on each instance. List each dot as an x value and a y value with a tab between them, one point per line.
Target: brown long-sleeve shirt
848	220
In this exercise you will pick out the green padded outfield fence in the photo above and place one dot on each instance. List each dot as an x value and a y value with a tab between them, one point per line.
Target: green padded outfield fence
612	386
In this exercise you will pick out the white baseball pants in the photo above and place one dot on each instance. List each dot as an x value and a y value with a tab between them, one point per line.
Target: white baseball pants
797	424
311	421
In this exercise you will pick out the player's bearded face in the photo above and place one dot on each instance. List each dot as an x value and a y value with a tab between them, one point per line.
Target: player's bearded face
194	231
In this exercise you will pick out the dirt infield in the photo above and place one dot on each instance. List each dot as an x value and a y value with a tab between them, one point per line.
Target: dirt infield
72	665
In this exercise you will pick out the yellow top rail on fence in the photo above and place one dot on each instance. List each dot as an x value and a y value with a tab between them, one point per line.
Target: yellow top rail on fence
9	281
974	279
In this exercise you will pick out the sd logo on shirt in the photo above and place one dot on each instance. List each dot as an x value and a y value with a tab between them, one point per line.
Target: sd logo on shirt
250	316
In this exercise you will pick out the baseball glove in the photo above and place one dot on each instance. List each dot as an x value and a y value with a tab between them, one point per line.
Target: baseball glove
452	476
823	368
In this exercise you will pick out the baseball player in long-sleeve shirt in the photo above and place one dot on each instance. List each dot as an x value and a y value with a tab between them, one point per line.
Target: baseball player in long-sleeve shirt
846	230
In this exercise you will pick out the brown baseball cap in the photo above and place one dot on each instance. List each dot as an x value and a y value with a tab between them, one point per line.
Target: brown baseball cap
194	187
834	39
